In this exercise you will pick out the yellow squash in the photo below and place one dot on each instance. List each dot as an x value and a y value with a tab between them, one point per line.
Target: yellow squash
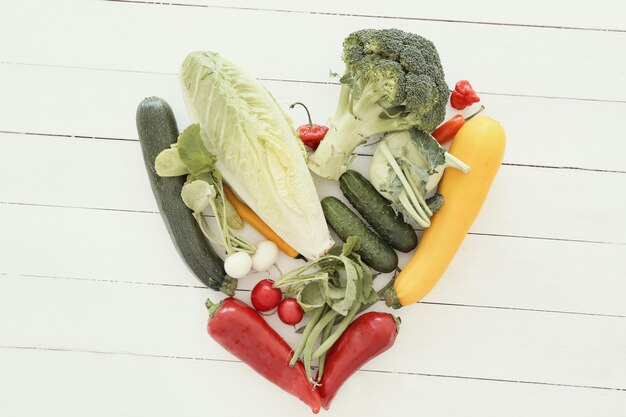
480	144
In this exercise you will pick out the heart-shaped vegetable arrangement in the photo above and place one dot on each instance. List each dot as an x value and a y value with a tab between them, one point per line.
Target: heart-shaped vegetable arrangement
242	161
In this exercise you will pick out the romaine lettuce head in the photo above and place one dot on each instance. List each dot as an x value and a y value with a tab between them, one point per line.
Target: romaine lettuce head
257	149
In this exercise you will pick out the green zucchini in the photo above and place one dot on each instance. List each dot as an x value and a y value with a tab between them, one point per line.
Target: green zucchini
157	130
377	211
373	251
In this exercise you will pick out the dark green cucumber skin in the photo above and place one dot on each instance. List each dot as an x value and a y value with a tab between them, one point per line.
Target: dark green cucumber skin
373	251
157	130
377	211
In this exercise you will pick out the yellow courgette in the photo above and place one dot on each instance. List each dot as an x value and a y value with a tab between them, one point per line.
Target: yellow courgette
480	144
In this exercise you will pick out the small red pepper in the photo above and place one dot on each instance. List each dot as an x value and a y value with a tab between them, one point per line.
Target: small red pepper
463	95
243	332
310	134
365	338
448	130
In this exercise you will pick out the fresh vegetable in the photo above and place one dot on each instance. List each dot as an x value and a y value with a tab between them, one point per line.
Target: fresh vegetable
367	337
243	332
203	188
264	296
447	130
373	250
157	130
393	81
265	256
463	95
408	165
255	221
480	142
310	134
258	153
238	264
290	312
377	211
332	289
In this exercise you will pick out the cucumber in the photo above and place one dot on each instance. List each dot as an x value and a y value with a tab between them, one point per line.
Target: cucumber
377	211
157	130
374	251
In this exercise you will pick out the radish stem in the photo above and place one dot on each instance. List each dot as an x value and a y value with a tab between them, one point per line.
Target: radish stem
317	313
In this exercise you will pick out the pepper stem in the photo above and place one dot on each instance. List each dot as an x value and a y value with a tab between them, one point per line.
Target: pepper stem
391	298
475	113
308	115
212	307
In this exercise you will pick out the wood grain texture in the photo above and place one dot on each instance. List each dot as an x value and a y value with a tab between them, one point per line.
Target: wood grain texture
540	131
106	174
103	245
156	38
169	386
442	340
594	15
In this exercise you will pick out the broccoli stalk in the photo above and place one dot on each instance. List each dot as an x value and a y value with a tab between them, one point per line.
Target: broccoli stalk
393	81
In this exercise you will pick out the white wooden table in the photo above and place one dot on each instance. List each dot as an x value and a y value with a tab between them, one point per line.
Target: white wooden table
99	317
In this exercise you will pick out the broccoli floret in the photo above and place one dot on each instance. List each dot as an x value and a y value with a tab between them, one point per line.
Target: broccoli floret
393	81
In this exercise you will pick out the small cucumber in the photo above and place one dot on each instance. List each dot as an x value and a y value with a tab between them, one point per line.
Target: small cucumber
157	130
377	211
374	251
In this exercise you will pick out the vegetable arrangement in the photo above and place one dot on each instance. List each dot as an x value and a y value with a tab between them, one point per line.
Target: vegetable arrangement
243	161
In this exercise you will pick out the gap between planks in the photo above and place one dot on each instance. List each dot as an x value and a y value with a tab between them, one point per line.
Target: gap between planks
201	287
195	358
295	81
418	19
597	242
68	136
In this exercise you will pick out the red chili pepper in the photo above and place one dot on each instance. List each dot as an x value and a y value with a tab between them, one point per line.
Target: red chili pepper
463	95
244	333
367	337
448	129
310	134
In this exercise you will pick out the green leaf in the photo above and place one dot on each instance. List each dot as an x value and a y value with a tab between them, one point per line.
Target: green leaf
368	281
353	243
428	146
197	195
311	297
193	154
352	289
435	202
168	164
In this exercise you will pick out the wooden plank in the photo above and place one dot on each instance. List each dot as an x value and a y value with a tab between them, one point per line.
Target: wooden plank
110	174
126	386
584	14
103	104
498	59
487	271
442	340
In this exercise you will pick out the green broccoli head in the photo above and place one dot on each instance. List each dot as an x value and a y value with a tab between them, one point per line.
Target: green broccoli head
411	61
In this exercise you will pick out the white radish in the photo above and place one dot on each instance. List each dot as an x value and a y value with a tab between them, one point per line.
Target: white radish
265	256
238	264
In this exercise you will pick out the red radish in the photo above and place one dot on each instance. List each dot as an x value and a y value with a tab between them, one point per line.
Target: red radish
290	312
264	296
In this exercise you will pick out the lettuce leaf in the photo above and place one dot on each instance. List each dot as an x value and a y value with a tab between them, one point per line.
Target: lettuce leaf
257	150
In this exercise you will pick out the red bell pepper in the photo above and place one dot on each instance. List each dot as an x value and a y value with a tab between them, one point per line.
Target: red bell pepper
243	332
365	338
